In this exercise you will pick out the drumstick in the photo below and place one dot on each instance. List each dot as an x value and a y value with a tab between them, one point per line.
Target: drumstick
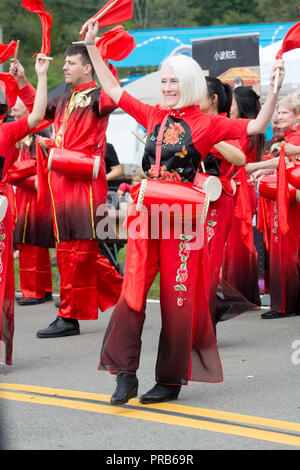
276	81
84	27
16	51
45	57
139	138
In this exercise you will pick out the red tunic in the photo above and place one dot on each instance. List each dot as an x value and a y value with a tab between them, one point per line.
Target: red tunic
80	123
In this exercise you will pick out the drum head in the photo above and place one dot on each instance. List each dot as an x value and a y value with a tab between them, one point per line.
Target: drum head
3	207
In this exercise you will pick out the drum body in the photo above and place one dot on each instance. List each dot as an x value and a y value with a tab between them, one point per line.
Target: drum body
267	187
74	164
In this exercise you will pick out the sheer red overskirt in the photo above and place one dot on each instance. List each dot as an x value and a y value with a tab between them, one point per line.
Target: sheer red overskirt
7	289
187	347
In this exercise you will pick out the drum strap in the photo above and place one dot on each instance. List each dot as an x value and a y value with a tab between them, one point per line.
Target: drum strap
158	145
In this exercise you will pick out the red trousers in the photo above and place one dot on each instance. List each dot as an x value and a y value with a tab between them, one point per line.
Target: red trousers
35	270
187	345
240	264
285	262
218	224
87	280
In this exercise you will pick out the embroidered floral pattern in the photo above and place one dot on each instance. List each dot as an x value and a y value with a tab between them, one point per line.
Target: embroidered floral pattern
210	225
164	175
174	134
2	248
275	223
182	272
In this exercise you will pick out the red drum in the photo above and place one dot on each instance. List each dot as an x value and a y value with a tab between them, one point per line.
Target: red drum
185	196
209	184
293	175
3	206
267	186
74	164
29	184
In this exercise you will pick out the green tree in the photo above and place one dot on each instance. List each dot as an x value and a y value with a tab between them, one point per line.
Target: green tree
278	10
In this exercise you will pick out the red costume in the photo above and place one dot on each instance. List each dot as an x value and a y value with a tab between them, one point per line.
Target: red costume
88	281
240	257
187	347
218	224
10	133
283	249
33	233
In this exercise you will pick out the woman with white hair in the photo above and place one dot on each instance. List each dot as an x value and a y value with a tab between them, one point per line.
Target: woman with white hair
187	345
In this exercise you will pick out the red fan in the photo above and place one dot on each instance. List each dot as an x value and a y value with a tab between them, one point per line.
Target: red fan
113	12
290	41
36	6
6	51
116	44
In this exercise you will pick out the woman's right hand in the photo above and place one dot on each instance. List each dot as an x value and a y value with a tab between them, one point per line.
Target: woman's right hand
92	30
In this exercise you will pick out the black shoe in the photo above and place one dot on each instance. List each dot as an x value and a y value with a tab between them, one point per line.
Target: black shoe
273	314
127	387
60	327
48	296
161	393
30	301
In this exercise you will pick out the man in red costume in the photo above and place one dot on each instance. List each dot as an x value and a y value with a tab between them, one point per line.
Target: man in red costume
80	116
33	232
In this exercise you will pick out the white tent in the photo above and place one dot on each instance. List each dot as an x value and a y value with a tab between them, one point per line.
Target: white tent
291	61
122	126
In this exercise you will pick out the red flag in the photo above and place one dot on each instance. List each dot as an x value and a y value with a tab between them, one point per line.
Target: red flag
113	12
243	211
42	173
116	44
282	193
290	41
10	88
36	6
7	51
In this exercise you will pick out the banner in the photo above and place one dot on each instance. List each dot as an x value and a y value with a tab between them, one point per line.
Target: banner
232	59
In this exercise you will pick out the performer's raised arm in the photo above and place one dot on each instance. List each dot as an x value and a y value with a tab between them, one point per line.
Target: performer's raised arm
110	85
261	123
40	102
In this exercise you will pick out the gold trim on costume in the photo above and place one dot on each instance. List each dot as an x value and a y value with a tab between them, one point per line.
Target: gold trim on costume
92	211
53	206
25	223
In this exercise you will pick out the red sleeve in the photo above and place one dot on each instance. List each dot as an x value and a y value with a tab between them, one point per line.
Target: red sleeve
143	113
223	128
16	130
235	143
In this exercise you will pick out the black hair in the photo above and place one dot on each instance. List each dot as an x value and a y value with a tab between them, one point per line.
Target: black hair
3	108
223	92
82	50
248	103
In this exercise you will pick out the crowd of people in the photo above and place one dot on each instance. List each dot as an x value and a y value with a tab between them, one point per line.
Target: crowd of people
202	128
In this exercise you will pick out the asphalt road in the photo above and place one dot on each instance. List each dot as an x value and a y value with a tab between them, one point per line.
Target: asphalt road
53	397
